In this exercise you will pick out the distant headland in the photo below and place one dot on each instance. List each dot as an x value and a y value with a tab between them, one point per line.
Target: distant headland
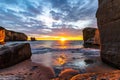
9	35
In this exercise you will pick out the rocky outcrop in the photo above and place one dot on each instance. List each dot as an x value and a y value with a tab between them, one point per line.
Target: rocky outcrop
14	36
91	38
67	74
108	17
33	39
2	35
98	76
14	54
11	35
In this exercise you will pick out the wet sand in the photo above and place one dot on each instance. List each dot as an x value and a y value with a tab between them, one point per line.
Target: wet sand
27	70
78	61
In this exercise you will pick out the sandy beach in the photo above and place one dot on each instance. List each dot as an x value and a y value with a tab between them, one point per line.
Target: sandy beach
27	70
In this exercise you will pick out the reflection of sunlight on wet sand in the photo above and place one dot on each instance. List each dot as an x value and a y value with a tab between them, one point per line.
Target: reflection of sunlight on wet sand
60	60
45	59
49	60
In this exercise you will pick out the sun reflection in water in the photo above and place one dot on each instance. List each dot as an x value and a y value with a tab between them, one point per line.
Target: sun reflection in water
61	59
63	43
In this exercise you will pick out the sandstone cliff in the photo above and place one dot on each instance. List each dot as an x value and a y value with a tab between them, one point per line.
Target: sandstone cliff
108	17
2	35
91	38
13	36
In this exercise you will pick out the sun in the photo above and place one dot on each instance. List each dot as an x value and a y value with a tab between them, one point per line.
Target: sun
63	39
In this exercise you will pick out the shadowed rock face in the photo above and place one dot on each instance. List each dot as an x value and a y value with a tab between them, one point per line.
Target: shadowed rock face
108	17
14	36
33	39
13	54
91	38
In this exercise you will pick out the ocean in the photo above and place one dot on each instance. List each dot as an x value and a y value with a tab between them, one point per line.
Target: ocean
60	55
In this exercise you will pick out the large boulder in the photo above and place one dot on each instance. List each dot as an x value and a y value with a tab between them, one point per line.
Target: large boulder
91	38
108	17
67	74
14	54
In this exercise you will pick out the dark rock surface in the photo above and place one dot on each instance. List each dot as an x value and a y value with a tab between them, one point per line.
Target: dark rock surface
91	38
13	36
33	39
108	17
14	54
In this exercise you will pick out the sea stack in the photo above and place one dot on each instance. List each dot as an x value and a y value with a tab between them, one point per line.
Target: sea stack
33	39
108	18
91	38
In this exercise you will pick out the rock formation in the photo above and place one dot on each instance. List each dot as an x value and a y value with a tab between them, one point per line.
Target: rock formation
13	36
91	38
33	39
2	35
108	17
67	74
114	75
14	54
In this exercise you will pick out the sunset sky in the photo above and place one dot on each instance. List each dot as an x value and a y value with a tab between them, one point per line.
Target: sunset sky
48	19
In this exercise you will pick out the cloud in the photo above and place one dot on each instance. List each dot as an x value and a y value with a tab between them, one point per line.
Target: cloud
47	17
75	10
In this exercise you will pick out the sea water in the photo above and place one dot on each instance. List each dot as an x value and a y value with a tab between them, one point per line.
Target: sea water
60	55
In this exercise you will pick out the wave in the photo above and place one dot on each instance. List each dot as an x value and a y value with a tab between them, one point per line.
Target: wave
85	51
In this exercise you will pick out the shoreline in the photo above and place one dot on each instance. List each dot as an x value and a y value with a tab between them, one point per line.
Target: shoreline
33	69
28	70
